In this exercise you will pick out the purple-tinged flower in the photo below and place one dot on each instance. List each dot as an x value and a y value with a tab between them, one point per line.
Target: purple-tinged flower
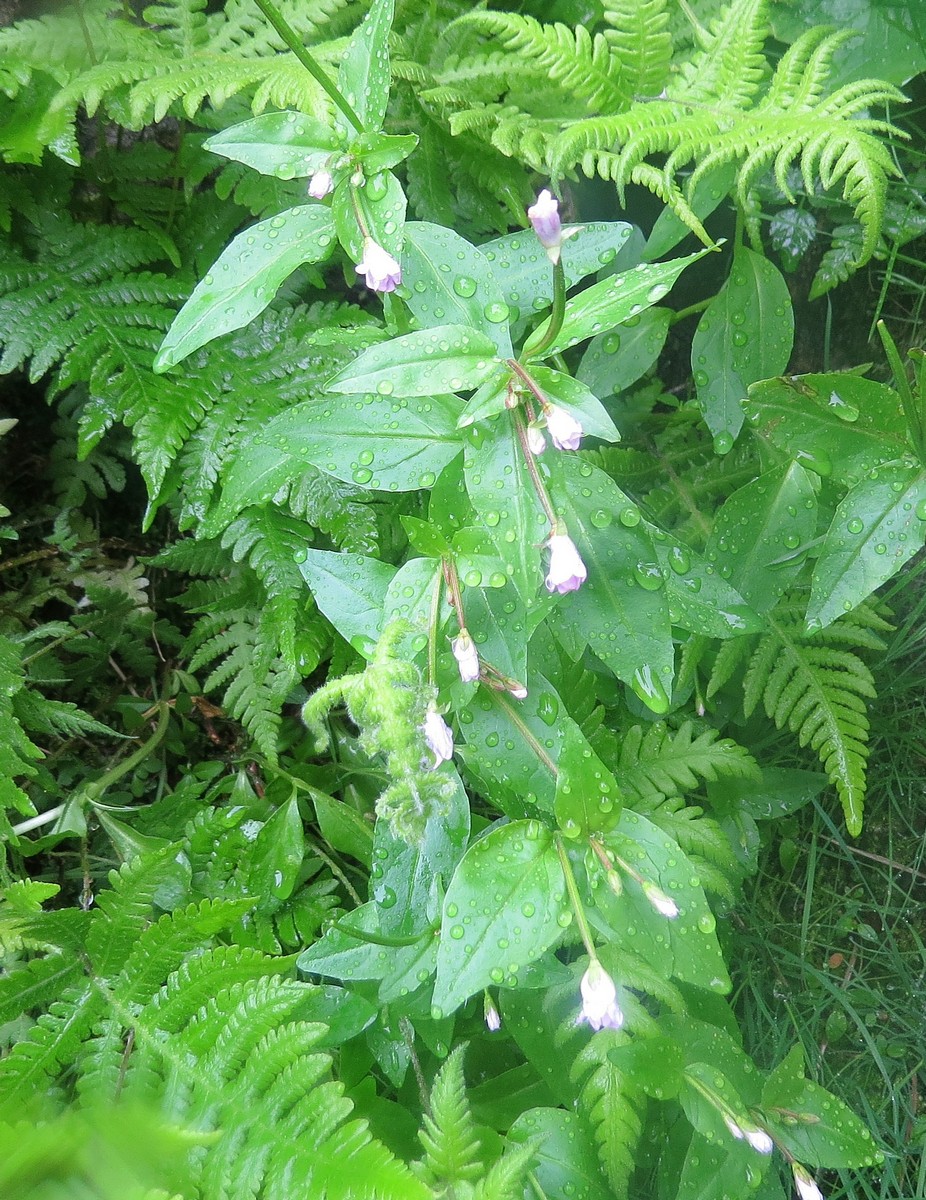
321	185
662	903
382	272
544	217
464	651
567	571
492	1015
536	442
758	1139
599	999
563	428
806	1188
438	737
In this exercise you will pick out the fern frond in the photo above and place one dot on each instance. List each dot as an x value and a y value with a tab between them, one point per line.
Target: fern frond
124	910
53	1041
191	985
611	1108
728	70
639	35
20	753
582	65
35	984
448	1134
658	760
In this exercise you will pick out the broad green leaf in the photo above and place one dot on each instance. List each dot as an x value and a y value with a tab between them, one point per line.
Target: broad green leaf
513	745
713	1171
500	490
837	425
700	599
450	281
411	968
566	1161
524	272
383	203
449	508
350	590
425	537
245	278
373	441
381	151
879	525
654	1063
287	145
611	302
579	400
615	360
621	609
686	946
345	1013
758	535
505	906
588	800
342	827
498	628
277	853
780	792
341	954
477	561
746	333
704	1115
814	1126
448	358
488	401
410	597
702	1042
407	881
364	75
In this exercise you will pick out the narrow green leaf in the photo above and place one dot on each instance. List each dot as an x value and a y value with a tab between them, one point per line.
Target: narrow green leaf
277	853
383	204
505	906
449	358
287	145
579	400
245	278
616	360
343	828
381	151
364	75
746	333
588	800
350	590
878	527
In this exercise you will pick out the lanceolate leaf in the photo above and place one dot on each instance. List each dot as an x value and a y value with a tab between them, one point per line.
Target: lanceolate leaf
449	358
615	360
364	76
745	334
578	400
245	278
373	441
879	525
612	301
350	589
700	599
759	533
506	904
288	145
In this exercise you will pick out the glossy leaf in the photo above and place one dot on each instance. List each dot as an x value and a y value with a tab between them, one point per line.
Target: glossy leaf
342	827
500	490
878	527
450	281
578	400
498	627
245	278
611	302
277	853
815	1127
505	905
744	334
350	590
621	609
383	204
287	145
373	441
364	75
839	426
487	401
588	799
449	358
523	270
759	533
700	599
381	151
566	1160
615	360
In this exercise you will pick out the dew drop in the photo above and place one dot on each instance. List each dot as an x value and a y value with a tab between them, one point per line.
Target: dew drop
856	525
723	443
496	312
464	286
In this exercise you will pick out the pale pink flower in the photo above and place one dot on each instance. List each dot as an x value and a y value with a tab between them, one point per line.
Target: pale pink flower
567	571
544	217
599	999
758	1139
563	428
536	442
321	185
662	903
464	651
806	1188
438	737
382	272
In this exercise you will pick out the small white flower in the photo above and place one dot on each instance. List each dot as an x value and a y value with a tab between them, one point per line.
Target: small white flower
806	1188
321	185
599	999
464	651
382	272
758	1139
536	442
519	691
567	571
492	1015
563	428
733	1127
438	737
662	903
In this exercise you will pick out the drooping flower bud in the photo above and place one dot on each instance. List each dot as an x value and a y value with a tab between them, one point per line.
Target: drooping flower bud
382	272
493	1017
544	217
438	737
321	185
662	903
599	999
758	1139
536	442
518	690
566	572
563	428
806	1187
733	1127
464	651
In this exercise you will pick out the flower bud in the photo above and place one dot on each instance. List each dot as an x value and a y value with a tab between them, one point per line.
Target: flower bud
563	428
806	1188
382	272
536	442
566	572
662	903
758	1139
518	690
544	217
464	651
438	737
320	185
599	999
493	1017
